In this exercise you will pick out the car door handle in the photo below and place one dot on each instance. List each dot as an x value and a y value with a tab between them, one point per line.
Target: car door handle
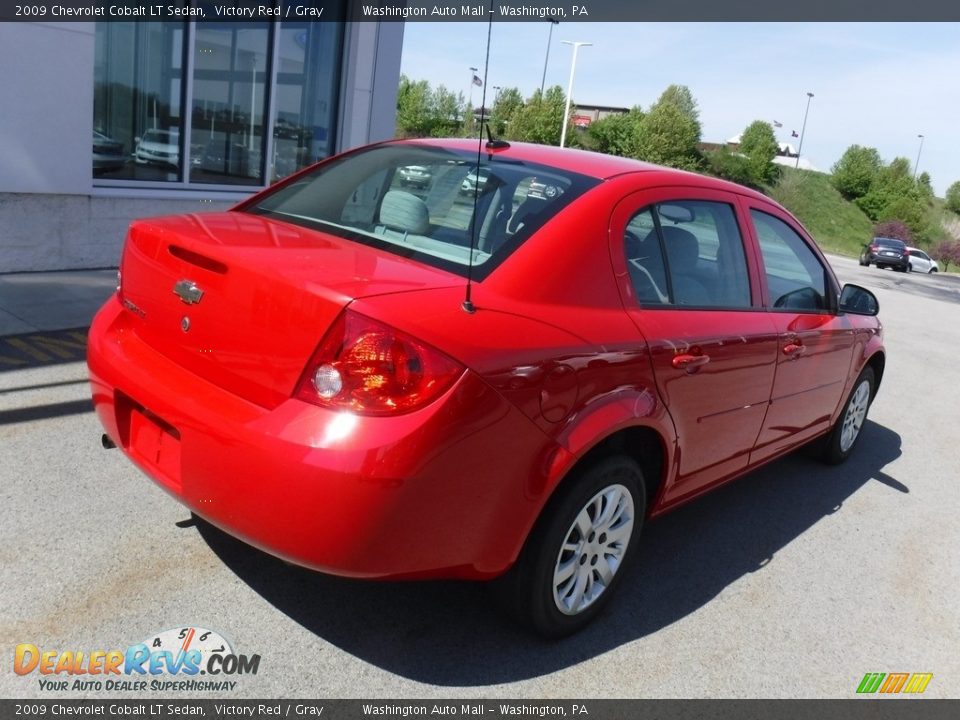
689	362
793	349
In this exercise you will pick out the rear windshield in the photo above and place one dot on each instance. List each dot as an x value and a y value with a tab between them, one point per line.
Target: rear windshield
427	203
890	242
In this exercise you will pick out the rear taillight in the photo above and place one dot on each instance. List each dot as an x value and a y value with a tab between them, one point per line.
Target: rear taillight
874	248
370	368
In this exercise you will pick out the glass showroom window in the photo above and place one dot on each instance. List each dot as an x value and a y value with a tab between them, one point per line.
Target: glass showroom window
138	70
303	126
229	103
258	100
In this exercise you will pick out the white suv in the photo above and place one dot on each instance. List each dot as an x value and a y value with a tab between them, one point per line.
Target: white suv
921	262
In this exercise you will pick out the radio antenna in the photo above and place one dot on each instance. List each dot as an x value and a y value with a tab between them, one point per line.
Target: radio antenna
467	304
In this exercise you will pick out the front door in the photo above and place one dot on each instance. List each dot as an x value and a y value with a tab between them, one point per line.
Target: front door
713	347
815	342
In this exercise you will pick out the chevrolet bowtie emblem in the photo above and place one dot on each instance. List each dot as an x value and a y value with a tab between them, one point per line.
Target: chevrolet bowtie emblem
188	291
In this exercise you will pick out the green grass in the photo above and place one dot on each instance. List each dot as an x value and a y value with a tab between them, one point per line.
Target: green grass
836	224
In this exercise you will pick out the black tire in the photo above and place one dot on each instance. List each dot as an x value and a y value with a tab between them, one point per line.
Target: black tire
837	448
932	271
529	591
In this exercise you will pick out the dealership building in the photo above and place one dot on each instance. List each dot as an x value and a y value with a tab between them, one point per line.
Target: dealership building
108	121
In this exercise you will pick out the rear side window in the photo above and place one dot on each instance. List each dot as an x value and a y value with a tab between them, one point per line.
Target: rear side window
428	203
795	277
687	253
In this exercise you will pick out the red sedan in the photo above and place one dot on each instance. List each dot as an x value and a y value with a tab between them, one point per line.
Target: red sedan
382	381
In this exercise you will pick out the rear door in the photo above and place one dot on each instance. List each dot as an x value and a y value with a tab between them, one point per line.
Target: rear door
691	291
815	350
919	261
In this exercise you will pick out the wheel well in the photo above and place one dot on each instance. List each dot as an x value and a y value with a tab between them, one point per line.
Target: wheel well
641	444
877	363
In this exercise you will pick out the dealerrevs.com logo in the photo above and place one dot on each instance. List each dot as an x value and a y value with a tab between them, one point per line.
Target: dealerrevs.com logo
170	661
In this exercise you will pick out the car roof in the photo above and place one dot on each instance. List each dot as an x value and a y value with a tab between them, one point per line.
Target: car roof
585	162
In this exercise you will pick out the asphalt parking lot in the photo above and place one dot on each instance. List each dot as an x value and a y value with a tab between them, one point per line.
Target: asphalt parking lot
792	582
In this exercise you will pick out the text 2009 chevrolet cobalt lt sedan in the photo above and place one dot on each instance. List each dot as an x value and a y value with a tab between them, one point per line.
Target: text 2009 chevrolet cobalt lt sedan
308	373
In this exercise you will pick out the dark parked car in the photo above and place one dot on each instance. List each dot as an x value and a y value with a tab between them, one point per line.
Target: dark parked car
107	154
415	175
886	252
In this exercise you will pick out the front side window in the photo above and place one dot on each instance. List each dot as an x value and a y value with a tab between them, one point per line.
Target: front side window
795	277
428	203
687	253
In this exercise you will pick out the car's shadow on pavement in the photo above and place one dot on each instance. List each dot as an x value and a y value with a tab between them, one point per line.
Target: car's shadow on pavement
452	634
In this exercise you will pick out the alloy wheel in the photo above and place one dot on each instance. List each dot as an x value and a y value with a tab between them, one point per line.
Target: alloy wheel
855	415
593	549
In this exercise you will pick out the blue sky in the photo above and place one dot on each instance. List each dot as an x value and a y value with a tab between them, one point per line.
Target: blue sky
875	84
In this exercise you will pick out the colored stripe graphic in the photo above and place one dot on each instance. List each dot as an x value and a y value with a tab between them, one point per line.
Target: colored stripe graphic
870	682
894	683
918	682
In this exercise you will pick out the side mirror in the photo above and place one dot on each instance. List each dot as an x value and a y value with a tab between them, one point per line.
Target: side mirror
858	301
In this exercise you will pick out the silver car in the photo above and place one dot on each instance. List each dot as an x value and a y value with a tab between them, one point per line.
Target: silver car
921	262
158	147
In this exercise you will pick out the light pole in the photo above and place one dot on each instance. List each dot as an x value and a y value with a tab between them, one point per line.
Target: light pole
473	74
573	68
804	128
917	166
546	60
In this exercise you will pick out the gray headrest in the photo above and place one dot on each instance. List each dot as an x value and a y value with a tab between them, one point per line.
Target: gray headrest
683	248
405	212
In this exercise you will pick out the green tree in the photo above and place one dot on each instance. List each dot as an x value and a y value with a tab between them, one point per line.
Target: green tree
759	144
731	166
446	110
414	116
925	186
668	136
681	97
615	134
953	197
469	127
541	119
855	172
895	195
507	104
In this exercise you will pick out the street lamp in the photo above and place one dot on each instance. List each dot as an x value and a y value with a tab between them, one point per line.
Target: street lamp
804	128
917	166
573	68
546	60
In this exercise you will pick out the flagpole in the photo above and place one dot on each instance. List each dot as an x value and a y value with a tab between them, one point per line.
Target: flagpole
473	72
803	129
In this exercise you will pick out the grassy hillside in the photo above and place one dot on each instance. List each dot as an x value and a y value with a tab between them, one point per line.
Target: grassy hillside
837	225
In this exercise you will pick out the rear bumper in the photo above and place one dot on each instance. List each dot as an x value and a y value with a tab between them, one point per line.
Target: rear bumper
900	262
448	491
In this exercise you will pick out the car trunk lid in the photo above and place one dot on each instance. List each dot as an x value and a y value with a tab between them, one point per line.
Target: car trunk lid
243	300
